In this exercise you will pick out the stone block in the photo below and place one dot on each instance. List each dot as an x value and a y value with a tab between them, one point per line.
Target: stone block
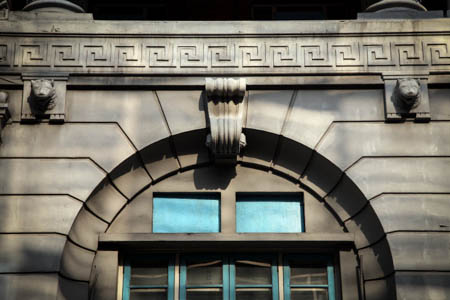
267	110
38	176
321	175
318	218
86	229
38	213
345	143
72	290
261	147
190	148
136	217
159	159
76	262
427	251
291	157
30	252
106	201
439	104
103	282
130	176
28	286
137	112
14	104
349	275
381	289
374	176
103	143
366	226
423	285
376	260
315	110
413	212
184	110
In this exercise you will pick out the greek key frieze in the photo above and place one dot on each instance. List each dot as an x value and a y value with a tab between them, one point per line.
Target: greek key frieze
257	55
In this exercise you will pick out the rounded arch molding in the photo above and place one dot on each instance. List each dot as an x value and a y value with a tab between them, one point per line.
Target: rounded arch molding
266	152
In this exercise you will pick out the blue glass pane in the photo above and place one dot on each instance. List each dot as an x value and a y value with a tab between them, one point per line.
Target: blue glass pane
269	214
186	213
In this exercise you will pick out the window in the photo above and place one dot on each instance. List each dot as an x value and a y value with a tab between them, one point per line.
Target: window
191	213
229	277
269	213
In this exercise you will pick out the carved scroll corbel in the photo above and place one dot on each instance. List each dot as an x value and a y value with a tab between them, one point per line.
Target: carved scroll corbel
4	112
406	97
225	98
44	98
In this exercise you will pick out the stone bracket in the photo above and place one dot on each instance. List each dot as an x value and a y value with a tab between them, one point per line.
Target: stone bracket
225	103
4	111
398	106
54	113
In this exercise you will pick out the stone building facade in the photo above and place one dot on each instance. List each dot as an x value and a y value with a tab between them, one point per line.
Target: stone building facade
103	123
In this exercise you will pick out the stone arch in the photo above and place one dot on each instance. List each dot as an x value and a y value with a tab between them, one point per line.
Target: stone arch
288	159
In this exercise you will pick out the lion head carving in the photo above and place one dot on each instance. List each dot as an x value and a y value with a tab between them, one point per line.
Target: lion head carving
43	95
408	91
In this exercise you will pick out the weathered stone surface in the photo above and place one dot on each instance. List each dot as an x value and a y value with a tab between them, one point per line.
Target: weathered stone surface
321	175
366	226
130	176
291	157
381	289
159	159
72	290
423	285
261	147
315	110
184	110
28	286
49	176
103	282
37	213
86	229
14	104
136	217
190	148
406	174
76	262
30	252
345	143
346	199
427	251
106	201
376	260
103	143
348	275
320	219
413	212
267	110
137	112
439	104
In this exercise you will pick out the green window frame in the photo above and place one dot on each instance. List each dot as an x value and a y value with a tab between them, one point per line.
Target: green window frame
229	284
130	261
323	260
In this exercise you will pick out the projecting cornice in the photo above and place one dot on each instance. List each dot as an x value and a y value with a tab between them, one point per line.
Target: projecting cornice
351	47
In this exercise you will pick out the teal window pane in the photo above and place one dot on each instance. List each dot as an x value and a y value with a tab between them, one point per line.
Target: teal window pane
271	213
190	213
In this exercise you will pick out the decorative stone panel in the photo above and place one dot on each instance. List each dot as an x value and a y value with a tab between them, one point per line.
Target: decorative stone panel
44	97
225	97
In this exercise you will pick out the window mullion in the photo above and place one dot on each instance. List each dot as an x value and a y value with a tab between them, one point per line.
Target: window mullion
126	283
229	283
330	273
183	279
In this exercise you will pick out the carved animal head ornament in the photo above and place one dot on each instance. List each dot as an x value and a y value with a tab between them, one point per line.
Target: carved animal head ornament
408	91
43	95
